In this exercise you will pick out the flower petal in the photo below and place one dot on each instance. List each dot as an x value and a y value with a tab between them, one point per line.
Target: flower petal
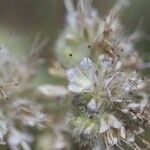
82	78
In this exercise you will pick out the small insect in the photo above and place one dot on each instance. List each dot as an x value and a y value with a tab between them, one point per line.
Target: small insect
70	55
89	46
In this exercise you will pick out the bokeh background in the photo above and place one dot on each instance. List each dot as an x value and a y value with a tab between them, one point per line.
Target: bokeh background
22	20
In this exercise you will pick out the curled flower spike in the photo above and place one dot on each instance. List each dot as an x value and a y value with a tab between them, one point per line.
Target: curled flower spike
109	98
18	115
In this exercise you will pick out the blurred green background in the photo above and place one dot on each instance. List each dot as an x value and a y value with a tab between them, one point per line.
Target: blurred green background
22	20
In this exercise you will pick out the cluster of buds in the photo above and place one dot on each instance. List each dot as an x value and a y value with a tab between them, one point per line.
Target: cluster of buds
111	107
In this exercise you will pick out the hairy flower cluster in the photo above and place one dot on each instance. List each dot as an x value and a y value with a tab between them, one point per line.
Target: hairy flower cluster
110	104
18	112
81	28
111	107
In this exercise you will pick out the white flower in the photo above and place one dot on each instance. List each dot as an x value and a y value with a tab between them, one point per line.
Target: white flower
105	63
3	131
3	128
18	138
89	130
82	78
116	87
92	105
112	128
59	143
53	90
28	113
136	106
